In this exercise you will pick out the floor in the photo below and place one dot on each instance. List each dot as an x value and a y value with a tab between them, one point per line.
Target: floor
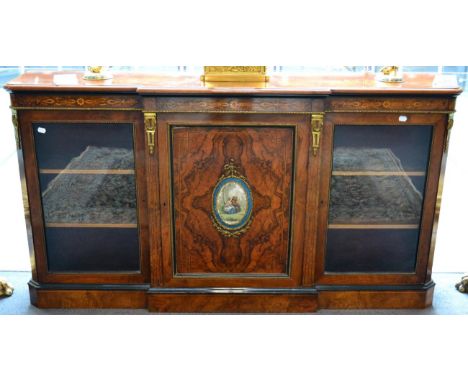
447	300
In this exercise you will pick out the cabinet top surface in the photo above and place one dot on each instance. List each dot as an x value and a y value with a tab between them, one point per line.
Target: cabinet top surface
147	83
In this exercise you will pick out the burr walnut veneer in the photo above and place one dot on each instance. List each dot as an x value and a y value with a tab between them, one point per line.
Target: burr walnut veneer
157	192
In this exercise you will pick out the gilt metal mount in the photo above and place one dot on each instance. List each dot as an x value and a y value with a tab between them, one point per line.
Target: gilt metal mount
234	74
150	128
462	286
317	125
449	129
14	119
5	288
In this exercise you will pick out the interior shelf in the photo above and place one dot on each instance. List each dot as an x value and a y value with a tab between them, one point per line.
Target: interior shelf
379	173
373	226
86	171
91	225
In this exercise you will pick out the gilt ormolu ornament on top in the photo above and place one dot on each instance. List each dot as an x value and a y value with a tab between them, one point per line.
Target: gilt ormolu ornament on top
234	74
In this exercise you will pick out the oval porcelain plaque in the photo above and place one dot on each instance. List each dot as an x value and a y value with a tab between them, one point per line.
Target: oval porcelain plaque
232	203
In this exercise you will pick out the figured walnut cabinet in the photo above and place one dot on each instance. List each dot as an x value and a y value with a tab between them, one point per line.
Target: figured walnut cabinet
146	192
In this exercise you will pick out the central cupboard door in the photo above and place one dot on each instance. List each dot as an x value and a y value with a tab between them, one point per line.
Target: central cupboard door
232	199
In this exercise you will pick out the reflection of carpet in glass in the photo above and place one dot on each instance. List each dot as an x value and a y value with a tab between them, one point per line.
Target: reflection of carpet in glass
372	199
103	158
365	159
93	198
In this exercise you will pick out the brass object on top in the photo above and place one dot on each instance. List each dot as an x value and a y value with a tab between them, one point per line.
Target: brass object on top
390	74
389	70
317	125
5	288
96	73
234	74
95	69
150	128
462	286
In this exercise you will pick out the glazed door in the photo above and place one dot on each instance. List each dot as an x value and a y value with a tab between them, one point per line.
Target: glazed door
84	170
233	195
378	196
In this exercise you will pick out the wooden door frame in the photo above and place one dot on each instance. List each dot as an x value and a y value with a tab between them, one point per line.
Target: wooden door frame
163	273
438	121
26	119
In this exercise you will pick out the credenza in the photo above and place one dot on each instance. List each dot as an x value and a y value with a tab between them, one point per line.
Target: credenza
158	192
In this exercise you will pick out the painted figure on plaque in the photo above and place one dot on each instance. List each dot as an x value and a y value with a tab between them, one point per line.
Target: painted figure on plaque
232	206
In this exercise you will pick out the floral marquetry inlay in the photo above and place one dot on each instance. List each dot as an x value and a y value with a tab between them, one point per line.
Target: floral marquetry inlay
65	101
390	104
200	104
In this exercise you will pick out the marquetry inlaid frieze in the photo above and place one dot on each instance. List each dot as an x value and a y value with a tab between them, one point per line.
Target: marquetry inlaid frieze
75	101
231	104
389	104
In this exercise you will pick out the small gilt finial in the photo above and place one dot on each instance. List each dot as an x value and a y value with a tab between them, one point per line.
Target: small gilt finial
230	168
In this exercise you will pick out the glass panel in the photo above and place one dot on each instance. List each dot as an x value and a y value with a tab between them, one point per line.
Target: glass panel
88	198
87	179
75	249
376	197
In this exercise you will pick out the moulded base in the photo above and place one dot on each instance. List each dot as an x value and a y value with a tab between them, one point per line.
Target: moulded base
233	300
